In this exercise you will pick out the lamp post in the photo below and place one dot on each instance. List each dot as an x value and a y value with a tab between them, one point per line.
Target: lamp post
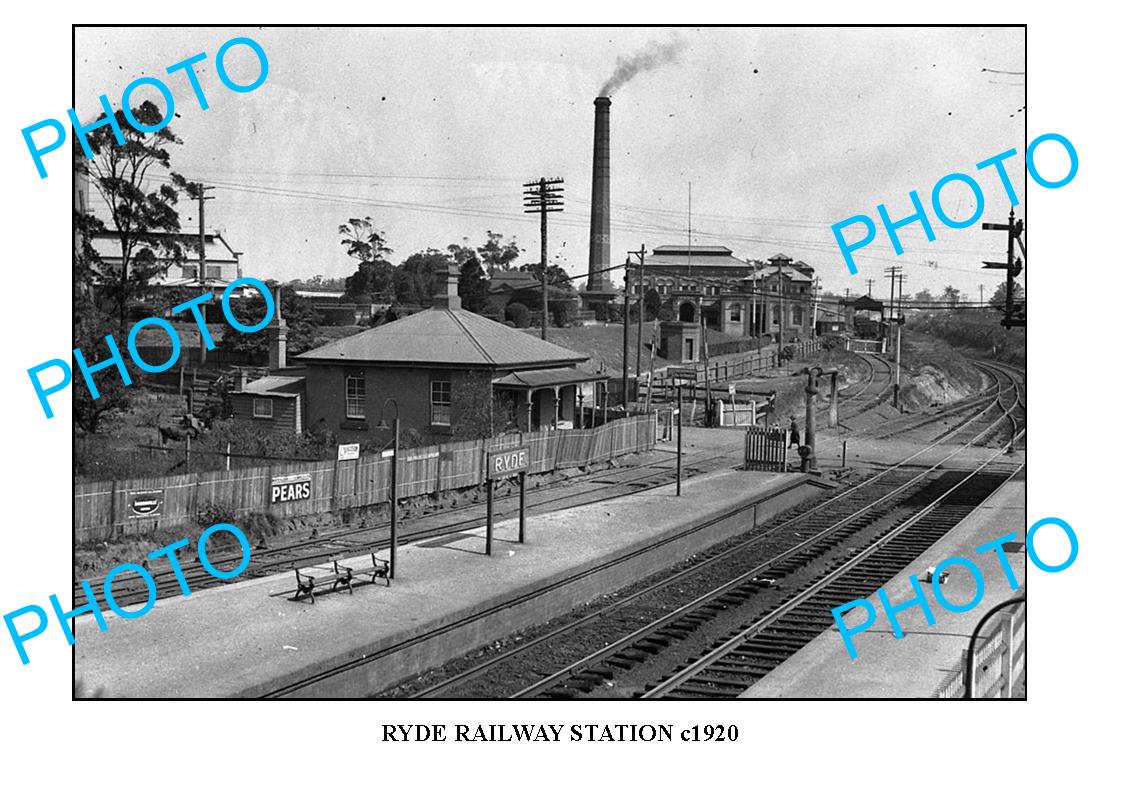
678	458
393	482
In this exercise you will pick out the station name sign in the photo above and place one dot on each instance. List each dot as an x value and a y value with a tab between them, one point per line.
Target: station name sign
501	464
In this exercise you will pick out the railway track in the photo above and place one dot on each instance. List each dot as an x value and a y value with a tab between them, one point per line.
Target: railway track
880	370
748	655
702	591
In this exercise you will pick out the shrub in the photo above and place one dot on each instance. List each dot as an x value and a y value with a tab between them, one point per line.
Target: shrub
213	513
787	353
518	314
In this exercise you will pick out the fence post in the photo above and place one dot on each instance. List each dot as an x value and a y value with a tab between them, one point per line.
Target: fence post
112	509
1007	653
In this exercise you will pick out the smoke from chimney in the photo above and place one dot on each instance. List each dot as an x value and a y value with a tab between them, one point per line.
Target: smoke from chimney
653	55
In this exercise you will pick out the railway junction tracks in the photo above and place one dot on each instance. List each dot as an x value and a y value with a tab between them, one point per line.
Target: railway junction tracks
778	579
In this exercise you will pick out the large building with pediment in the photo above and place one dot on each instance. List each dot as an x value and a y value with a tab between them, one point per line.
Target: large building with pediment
732	295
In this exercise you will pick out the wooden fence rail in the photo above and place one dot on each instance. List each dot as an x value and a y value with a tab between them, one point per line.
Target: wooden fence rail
730	370
106	509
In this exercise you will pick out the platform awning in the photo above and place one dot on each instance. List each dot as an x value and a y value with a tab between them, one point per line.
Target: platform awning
547	377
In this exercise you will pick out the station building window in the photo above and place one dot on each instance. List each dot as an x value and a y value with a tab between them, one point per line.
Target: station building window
440	403
356	394
263	407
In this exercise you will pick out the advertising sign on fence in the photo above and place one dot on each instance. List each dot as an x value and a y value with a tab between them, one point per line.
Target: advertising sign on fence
348	452
501	464
148	503
287	488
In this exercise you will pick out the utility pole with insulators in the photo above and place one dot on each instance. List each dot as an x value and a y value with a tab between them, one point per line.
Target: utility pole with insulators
814	306
641	254
542	197
892	272
1013	266
198	191
780	290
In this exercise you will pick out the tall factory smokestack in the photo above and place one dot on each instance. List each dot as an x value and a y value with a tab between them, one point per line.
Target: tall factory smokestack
600	233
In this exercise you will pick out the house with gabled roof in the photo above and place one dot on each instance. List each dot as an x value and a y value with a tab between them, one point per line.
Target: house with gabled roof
441	370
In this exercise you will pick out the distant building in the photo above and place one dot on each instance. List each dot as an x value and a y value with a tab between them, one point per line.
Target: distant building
223	264
735	296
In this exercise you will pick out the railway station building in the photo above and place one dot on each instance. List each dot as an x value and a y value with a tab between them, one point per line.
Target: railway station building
451	374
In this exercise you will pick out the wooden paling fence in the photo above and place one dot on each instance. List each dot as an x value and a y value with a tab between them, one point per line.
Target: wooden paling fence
731	369
766	448
106	509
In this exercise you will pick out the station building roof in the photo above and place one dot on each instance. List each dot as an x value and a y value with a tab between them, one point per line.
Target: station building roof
447	337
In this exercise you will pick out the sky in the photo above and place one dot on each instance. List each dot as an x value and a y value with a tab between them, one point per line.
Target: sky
768	135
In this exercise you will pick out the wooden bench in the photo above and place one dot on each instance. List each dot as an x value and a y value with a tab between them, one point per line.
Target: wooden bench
317	577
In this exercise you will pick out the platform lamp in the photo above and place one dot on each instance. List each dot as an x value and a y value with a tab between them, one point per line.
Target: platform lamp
393	481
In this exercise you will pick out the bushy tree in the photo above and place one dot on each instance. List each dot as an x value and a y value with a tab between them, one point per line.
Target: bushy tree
473	283
518	314
301	318
143	222
91	324
950	295
497	255
476	410
374	277
415	280
999	298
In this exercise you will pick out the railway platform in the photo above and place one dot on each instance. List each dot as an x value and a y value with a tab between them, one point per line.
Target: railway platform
249	639
919	664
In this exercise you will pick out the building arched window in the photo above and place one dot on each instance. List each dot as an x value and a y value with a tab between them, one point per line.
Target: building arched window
797	315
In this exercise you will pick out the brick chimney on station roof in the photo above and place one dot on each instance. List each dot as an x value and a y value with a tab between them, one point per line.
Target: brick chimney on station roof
446	294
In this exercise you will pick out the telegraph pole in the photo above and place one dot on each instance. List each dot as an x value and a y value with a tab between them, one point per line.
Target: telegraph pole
198	191
627	325
754	323
814	306
542	197
892	272
641	254
780	290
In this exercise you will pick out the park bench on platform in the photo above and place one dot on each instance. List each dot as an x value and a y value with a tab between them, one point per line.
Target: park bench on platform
316	577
